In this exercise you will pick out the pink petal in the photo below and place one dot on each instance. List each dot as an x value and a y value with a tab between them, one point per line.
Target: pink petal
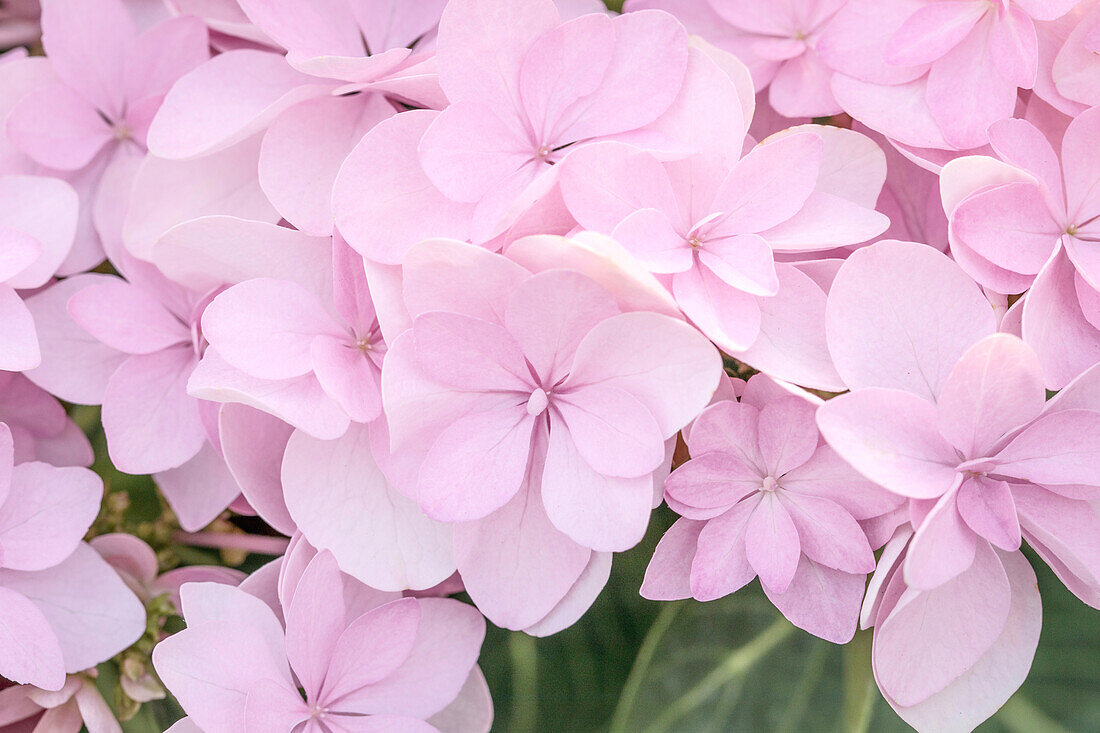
471	710
300	402
978	693
314	623
382	200
476	465
846	45
46	514
710	484
303	150
448	640
1014	47
272	705
469	148
650	237
75	367
662	362
933	637
482	43
470	354
322	28
801	88
1054	325
1021	144
995	387
1059	448
825	221
728	427
515	564
163	54
561	67
728	316
550	313
898	110
394	24
667	577
966	93
613	432
266	327
890	437
942	548
821	600
905	340
127	318
200	489
743	261
90	610
1063	532
787	435
225	100
828	476
828	534
770	184
605	182
605	513
1010	225
348	376
211	251
579	598
987	507
720	565
46	211
1083	255
253	444
339	498
446	275
150	421
771	543
222	183
75	40
931	32
617	106
19	346
385	636
31	654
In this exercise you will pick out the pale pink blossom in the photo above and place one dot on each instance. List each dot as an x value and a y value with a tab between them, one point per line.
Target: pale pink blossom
763	496
386	663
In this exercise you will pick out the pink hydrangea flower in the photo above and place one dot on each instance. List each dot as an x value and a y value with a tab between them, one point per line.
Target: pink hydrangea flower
710	226
89	112
935	74
1032	222
763	496
521	381
383	664
775	40
63	609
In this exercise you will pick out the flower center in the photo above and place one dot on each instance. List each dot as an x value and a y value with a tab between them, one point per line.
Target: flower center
537	402
364	344
770	484
543	153
695	241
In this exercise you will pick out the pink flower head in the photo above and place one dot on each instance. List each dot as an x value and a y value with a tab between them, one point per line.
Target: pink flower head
763	496
89	114
709	227
277	331
538	414
1033	221
932	74
776	40
61	607
378	663
38	219
968	437
525	88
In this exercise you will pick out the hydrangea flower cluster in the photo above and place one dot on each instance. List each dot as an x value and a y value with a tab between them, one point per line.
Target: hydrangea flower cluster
440	297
